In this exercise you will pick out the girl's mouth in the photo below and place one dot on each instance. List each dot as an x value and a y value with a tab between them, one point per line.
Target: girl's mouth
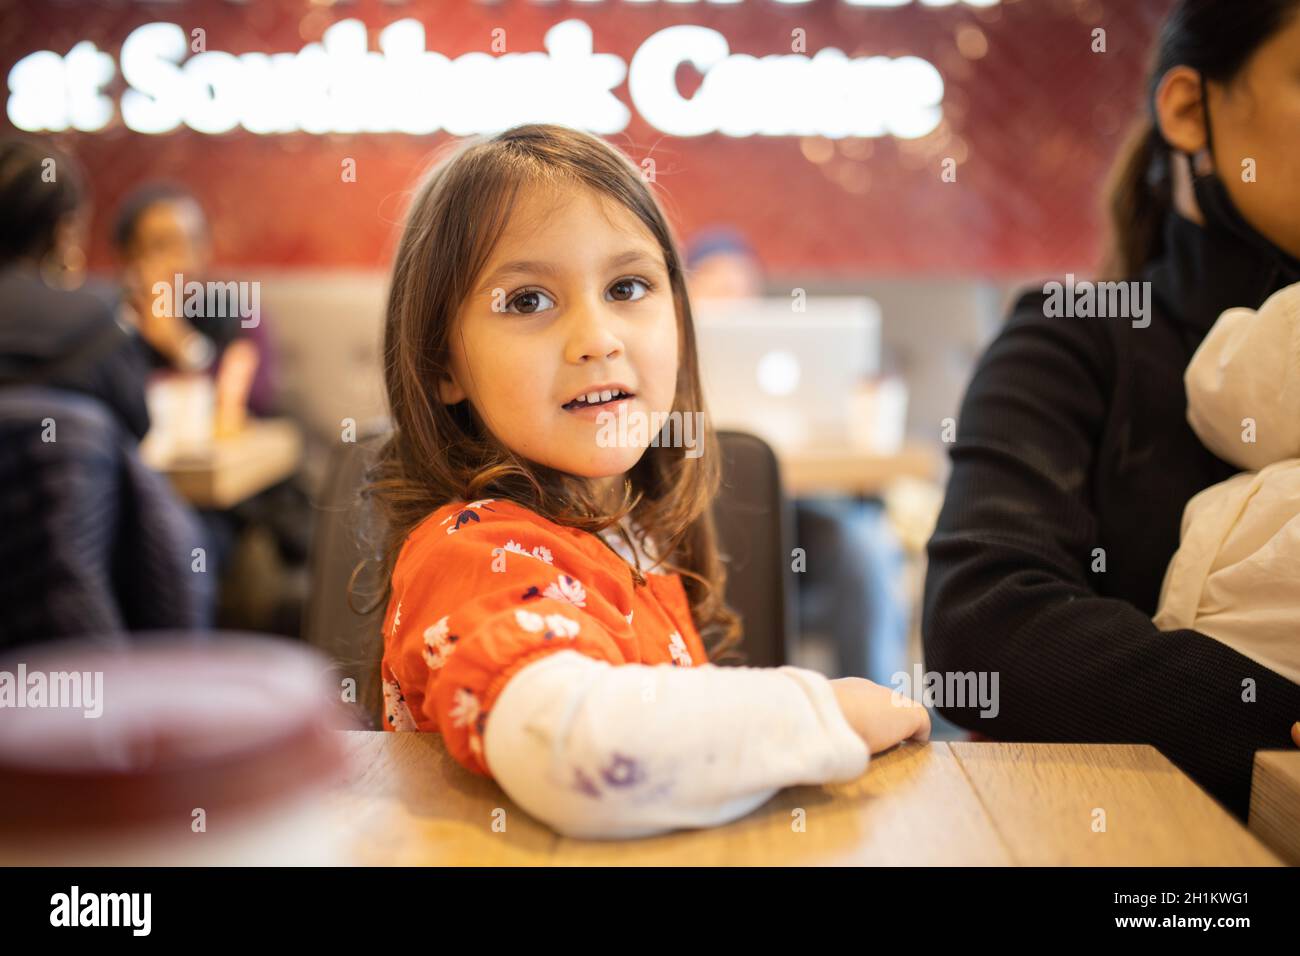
605	399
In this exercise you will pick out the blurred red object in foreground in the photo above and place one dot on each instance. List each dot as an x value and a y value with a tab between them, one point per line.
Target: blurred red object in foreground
169	749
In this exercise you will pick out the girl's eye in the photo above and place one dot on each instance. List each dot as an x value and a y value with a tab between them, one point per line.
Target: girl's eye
532	301
623	290
529	302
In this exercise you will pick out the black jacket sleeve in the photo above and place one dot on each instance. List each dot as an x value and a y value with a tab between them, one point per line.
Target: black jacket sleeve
1007	586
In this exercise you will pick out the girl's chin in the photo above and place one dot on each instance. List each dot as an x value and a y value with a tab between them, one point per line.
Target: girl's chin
611	463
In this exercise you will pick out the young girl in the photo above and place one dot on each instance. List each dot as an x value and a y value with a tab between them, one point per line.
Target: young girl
556	597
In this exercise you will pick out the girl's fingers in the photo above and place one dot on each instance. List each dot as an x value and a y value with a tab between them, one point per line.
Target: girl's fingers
1295	733
903	725
924	733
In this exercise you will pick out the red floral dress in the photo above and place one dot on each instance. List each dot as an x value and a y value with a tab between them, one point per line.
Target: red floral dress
481	589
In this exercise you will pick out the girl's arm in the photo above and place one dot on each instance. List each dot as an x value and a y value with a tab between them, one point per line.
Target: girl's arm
507	623
603	752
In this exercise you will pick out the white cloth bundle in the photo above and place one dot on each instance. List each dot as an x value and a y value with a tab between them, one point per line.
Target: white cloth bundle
1236	574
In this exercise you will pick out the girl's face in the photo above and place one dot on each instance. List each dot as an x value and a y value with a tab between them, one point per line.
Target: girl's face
574	302
1258	117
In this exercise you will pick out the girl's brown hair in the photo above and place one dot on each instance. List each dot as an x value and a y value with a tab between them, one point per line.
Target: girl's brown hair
1216	38
439	453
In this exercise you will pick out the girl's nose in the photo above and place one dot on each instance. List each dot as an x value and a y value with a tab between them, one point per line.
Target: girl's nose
592	336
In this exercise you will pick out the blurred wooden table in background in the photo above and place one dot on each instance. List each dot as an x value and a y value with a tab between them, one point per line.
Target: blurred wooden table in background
407	802
845	470
265	452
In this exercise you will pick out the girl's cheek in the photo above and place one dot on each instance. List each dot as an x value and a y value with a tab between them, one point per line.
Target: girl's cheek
667	374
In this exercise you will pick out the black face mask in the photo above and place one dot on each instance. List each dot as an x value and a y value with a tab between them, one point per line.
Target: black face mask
1221	215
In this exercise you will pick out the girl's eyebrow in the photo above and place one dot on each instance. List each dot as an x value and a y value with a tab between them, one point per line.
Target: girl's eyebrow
530	266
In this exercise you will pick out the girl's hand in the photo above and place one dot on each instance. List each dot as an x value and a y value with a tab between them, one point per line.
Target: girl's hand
1295	731
881	717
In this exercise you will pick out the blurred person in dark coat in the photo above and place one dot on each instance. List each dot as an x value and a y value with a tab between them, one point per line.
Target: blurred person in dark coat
55	326
93	542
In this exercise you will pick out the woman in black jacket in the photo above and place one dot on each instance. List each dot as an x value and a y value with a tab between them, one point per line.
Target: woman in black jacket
1073	458
56	329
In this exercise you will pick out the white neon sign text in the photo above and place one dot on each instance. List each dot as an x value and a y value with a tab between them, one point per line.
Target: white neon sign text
340	86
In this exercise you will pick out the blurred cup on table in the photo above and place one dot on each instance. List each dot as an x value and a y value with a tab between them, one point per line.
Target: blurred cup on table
182	417
878	415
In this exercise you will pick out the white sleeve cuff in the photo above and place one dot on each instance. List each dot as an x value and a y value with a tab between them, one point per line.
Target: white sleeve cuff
847	753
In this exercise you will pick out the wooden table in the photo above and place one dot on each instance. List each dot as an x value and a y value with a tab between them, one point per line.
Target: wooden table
264	452
406	802
1275	802
845	470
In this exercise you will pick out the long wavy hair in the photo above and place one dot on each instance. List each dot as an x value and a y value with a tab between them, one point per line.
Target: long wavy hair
438	453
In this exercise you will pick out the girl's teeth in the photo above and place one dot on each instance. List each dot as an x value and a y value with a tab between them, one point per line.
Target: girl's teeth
598	398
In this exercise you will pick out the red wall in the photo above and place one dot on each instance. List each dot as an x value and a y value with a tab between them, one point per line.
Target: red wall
1039	114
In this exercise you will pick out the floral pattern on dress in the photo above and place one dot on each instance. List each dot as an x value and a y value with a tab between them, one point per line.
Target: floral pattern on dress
541	552
466	711
677	647
439	642
466	514
464	708
568	589
501	619
476	734
550	625
396	712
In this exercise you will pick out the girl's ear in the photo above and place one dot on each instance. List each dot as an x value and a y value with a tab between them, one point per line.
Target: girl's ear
450	392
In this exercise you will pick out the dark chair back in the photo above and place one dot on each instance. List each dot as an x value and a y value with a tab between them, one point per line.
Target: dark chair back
341	543
755	533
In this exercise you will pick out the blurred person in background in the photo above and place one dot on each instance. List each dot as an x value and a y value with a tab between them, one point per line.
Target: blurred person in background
852	591
164	241
57	328
161	232
724	265
94	542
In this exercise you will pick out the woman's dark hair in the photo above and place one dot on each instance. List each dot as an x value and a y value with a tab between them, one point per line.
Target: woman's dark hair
1216	38
39	187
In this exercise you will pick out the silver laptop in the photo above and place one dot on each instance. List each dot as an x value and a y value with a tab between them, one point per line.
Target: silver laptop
783	375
